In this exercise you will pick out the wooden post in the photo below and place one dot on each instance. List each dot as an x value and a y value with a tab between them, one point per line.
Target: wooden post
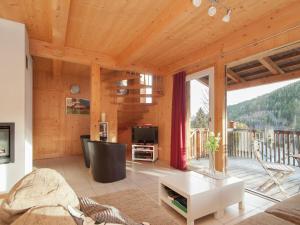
95	102
220	113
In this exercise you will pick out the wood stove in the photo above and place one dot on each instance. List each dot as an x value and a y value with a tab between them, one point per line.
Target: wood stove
7	142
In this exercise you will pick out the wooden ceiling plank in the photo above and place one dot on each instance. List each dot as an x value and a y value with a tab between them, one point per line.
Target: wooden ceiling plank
171	15
265	80
278	28
234	76
271	65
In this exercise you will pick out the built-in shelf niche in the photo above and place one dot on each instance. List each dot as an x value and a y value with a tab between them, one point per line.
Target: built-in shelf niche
7	143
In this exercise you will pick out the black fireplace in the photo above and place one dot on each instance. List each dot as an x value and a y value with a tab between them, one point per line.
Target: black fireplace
7	142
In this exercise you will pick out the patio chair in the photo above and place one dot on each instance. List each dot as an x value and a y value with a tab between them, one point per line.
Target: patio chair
277	173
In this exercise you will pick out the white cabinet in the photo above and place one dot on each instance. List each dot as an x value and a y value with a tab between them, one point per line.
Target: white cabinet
144	152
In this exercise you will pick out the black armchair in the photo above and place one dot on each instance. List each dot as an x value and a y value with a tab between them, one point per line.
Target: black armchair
108	161
84	144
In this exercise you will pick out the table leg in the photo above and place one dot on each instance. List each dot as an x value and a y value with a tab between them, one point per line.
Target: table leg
219	214
190	221
159	202
241	205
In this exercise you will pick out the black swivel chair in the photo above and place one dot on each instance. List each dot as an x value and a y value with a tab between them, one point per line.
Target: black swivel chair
108	161
84	144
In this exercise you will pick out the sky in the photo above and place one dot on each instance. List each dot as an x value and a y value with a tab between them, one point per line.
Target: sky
233	97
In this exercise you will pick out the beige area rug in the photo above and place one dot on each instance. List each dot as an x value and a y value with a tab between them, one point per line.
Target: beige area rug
138	206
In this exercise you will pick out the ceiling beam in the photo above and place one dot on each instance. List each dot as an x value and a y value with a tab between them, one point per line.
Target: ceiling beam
234	76
85	57
265	80
278	28
271	65
169	16
60	16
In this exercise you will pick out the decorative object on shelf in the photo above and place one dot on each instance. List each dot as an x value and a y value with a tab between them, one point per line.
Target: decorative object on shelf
212	10
103	131
103	117
212	145
77	106
75	89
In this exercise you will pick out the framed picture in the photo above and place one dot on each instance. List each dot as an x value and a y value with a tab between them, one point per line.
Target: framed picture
77	106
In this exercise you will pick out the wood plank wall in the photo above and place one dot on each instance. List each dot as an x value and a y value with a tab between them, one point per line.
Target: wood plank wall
56	134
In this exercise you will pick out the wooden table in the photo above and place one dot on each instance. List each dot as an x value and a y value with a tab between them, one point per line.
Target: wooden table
204	195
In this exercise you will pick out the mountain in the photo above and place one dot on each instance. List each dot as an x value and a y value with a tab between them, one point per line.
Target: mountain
279	109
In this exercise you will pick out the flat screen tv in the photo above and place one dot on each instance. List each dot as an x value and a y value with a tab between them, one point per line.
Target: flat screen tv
145	135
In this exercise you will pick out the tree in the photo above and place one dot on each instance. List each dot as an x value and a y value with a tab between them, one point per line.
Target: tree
200	120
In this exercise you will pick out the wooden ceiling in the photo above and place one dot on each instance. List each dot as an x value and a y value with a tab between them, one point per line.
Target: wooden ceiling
267	67
136	34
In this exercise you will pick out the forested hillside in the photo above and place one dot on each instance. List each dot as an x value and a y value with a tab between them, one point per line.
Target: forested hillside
279	109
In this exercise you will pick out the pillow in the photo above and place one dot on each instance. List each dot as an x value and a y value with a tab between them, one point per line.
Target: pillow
104	213
288	209
39	188
45	215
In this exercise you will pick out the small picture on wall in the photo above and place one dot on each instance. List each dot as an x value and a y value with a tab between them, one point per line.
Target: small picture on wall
77	106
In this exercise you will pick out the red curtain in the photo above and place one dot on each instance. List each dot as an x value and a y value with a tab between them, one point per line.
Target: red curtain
178	145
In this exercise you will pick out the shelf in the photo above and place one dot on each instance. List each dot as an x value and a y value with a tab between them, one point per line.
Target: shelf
142	150
150	160
169	203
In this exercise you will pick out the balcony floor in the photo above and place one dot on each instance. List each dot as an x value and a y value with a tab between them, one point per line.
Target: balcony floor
254	175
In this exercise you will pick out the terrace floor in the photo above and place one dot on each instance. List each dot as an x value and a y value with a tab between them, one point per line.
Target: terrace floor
254	175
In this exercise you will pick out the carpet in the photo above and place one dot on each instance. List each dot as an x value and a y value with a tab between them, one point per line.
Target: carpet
138	206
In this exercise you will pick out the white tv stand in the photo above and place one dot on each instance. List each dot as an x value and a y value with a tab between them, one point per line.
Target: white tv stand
146	152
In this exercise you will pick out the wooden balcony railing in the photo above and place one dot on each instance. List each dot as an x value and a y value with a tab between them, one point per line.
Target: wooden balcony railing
275	145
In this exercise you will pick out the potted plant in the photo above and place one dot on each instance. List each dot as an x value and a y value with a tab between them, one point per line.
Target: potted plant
212	145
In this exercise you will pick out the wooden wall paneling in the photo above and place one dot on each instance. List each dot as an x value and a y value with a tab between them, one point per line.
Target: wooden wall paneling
56	134
220	113
111	111
95	111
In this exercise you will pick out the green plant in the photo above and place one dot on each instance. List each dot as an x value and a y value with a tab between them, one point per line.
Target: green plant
213	142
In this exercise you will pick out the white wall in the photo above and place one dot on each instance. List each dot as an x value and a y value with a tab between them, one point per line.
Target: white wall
15	99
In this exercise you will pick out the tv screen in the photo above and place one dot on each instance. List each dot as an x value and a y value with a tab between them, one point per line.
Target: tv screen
145	135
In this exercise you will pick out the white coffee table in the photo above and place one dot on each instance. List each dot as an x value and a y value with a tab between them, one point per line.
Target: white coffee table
204	195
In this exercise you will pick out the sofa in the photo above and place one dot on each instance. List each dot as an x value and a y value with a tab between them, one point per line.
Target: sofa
285	212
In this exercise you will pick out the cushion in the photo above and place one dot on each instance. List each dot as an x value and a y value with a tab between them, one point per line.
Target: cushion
288	209
45	215
39	188
264	219
104	213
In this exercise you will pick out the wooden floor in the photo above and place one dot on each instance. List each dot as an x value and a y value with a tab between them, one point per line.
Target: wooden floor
254	175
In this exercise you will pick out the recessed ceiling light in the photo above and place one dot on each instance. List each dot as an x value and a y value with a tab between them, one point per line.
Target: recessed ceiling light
197	3
212	10
226	18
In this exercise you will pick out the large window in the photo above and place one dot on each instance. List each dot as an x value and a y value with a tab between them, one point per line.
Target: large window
146	79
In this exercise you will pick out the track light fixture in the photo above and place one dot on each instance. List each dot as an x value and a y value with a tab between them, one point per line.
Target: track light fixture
197	3
212	10
226	18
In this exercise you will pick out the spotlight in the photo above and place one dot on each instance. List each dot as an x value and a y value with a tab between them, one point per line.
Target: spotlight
226	18
212	10
197	3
